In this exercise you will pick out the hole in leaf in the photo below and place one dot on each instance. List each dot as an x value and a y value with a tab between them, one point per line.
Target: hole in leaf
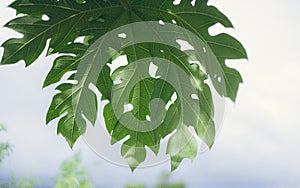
195	96
174	97
193	3
184	45
118	62
202	69
122	35
148	118
152	70
79	40
161	22
128	108
117	82
176	2
169	103
45	17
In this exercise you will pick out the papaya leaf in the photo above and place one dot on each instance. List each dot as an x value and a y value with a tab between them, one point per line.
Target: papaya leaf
73	29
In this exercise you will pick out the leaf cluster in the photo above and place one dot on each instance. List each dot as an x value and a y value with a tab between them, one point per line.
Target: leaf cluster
56	25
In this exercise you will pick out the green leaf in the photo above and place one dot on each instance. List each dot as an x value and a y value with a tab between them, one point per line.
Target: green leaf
202	122
61	107
65	63
181	145
76	102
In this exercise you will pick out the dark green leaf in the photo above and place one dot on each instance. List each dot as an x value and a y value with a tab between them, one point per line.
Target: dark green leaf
62	22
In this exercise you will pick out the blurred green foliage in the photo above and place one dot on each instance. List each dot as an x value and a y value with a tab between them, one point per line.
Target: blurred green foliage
5	147
135	186
73	174
22	182
163	182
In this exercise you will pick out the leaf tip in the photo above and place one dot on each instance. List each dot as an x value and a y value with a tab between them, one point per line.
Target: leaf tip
132	168
45	84
211	145
175	162
71	143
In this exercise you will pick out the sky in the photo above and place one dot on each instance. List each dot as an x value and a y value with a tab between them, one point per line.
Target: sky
257	146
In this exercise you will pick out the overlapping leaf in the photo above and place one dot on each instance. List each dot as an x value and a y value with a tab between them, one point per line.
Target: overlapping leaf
70	19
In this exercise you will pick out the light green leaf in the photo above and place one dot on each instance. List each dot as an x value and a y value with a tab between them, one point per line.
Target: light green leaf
182	145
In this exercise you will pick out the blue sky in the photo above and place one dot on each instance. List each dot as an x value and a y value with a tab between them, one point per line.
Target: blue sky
258	145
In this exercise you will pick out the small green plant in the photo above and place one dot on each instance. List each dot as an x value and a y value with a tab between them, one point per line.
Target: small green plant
5	147
163	182
22	182
73	174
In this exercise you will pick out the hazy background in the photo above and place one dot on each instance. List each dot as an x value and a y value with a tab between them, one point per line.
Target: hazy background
258	145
